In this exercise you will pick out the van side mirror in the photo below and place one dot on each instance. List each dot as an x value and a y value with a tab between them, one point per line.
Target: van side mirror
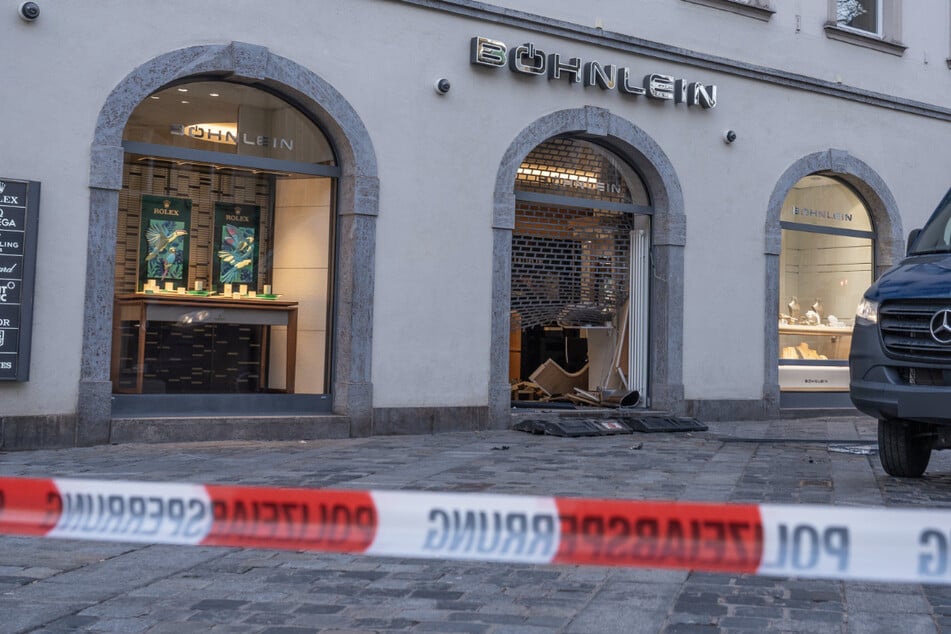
911	239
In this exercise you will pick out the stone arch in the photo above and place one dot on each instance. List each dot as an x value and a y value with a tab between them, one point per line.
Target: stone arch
357	208
886	220
668	240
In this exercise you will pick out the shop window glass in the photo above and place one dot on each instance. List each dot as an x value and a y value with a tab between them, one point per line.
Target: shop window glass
579	169
825	267
228	119
224	246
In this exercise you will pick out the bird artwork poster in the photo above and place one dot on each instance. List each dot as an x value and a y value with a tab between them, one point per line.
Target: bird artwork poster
164	239
236	244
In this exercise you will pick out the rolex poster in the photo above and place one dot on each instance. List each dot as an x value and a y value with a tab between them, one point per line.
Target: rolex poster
163	239
235	244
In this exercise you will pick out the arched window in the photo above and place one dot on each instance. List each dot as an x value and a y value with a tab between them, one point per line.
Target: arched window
826	264
579	273
224	245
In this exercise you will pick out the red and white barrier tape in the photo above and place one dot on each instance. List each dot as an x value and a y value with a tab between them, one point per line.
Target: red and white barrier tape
766	539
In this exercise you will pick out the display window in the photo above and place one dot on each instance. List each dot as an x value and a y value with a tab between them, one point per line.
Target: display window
826	264
224	246
579	277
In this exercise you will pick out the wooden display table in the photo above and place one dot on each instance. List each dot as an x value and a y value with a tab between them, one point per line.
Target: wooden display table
831	341
196	309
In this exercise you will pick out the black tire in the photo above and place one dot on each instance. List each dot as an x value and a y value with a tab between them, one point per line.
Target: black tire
904	447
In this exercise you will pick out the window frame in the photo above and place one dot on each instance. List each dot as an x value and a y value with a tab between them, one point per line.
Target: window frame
889	20
948	61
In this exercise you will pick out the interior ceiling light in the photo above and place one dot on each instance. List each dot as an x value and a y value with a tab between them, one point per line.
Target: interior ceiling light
548	172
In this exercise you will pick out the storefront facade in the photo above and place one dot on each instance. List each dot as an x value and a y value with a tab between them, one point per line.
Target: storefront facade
295	234
356	191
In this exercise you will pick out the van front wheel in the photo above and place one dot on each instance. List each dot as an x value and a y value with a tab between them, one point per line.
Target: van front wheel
904	447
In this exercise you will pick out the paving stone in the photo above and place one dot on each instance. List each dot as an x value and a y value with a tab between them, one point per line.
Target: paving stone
889	602
522	629
384	624
731	623
678	617
179	627
451	606
815	616
125	626
127	606
73	622
879	623
218	604
483	617
470	628
552	621
268	618
691	628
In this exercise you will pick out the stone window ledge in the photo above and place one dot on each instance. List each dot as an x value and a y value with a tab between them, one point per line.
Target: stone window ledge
763	13
868	40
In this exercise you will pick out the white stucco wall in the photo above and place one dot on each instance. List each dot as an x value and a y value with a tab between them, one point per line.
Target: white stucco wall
793	39
438	157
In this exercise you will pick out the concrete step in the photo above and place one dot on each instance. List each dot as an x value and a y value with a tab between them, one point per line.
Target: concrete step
223	428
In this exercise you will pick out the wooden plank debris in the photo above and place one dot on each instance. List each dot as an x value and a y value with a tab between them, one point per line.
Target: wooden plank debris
554	379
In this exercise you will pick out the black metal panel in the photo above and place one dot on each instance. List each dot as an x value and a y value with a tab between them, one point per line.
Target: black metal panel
19	221
654	424
571	427
816	401
570	266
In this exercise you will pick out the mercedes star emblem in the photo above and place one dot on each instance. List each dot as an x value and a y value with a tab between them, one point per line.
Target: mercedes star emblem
941	326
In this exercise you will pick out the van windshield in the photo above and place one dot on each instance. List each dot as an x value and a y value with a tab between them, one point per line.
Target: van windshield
936	235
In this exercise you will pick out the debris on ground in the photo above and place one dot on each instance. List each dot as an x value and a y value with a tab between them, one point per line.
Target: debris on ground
572	427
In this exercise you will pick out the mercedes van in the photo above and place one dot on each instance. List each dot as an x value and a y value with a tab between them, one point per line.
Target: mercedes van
900	359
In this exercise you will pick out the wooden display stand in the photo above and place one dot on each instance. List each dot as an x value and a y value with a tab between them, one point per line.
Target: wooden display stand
173	307
833	342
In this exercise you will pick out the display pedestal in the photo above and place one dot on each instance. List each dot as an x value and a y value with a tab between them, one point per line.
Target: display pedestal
814	358
190	311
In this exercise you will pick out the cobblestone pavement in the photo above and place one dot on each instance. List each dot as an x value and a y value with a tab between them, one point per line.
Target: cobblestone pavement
64	586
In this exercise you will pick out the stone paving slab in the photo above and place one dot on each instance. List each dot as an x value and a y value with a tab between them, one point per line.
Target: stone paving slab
66	586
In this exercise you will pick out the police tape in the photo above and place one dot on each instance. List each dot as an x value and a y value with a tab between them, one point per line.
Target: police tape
807	541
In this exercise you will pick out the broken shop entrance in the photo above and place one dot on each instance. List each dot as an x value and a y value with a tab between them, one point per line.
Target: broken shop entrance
580	279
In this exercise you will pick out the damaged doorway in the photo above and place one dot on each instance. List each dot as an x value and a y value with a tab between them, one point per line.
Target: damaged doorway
580	278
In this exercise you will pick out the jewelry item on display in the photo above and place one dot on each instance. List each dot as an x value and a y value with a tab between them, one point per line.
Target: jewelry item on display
793	307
